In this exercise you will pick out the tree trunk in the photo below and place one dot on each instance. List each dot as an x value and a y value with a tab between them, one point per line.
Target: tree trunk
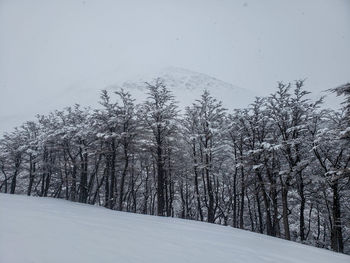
211	213
112	194
302	208
31	174
160	179
336	232
285	211
199	206
122	180
83	177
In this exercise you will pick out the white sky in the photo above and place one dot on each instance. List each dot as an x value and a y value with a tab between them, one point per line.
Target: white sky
49	48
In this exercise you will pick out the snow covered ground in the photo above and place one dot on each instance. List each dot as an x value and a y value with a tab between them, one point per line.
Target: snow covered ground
49	230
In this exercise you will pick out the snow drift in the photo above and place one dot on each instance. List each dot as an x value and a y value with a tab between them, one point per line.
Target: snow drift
38	230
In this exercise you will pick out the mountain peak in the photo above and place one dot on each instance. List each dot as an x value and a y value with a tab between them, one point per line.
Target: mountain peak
188	85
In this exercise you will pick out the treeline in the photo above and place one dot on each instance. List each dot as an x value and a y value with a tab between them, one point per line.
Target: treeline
278	167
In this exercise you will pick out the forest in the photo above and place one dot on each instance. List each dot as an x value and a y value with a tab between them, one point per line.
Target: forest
280	166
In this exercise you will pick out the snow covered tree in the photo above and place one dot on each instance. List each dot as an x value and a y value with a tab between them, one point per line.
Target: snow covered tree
280	166
159	116
205	125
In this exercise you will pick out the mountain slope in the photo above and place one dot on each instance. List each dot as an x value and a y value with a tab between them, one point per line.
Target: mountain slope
49	230
187	86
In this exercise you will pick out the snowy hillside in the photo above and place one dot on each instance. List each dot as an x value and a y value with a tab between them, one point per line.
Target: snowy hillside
51	230
188	86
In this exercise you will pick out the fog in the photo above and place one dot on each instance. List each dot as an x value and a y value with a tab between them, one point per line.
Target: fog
52	53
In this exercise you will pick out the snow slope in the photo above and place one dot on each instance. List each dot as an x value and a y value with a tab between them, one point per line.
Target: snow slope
45	230
187	86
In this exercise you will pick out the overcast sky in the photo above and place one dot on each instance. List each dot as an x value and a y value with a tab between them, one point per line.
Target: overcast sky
49	48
